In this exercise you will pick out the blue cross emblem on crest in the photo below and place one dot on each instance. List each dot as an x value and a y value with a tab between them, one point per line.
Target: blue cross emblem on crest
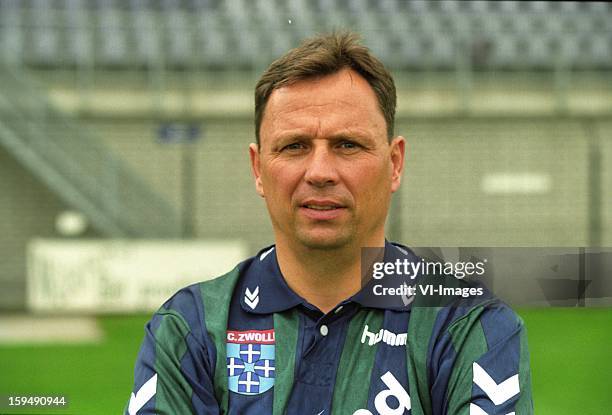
250	367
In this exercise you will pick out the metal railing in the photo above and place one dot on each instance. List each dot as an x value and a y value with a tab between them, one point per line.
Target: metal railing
77	165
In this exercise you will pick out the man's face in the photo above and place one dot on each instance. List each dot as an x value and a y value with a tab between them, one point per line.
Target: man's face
324	164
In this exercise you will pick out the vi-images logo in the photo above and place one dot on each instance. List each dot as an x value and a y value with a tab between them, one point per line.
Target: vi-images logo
394	389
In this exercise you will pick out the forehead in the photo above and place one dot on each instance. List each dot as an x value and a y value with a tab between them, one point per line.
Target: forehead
324	105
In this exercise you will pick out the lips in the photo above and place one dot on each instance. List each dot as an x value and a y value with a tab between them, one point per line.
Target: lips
322	209
321	204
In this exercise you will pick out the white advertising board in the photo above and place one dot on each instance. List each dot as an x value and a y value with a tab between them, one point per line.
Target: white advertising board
116	276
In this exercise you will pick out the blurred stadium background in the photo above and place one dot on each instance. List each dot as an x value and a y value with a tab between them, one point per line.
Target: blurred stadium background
126	122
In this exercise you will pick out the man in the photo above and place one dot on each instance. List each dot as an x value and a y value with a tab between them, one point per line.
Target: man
296	329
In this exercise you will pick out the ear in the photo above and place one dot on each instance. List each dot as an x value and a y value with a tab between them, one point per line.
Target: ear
398	145
255	168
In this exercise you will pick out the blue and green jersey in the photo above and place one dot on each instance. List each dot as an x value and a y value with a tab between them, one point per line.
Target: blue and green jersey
245	343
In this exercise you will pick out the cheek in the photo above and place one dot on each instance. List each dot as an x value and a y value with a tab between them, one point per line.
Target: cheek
373	183
279	183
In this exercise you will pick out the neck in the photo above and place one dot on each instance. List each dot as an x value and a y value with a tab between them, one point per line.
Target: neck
323	277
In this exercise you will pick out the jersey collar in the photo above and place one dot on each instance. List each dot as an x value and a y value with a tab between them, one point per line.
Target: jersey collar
365	296
264	275
264	282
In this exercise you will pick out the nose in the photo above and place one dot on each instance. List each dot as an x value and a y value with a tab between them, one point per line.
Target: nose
321	169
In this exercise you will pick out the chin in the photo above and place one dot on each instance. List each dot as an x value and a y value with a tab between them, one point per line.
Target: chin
326	242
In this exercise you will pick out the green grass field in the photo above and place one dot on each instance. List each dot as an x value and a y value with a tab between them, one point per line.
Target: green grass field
571	359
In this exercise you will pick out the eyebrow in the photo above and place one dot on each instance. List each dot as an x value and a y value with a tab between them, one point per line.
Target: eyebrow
351	136
333	137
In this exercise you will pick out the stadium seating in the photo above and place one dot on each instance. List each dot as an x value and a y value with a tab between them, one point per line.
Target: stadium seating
213	34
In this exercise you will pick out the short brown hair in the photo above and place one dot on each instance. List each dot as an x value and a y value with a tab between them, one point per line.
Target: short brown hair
327	54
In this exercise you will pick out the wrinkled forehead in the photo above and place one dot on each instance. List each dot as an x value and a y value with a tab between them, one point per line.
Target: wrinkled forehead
324	104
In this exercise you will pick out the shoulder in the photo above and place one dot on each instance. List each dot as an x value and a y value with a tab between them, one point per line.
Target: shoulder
482	330
484	316
456	314
224	285
189	305
449	304
218	289
195	307
488	324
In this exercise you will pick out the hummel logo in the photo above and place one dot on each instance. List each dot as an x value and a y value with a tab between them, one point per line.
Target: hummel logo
265	254
144	394
251	298
386	336
498	393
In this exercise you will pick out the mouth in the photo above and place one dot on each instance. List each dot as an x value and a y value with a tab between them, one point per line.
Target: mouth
322	204
322	209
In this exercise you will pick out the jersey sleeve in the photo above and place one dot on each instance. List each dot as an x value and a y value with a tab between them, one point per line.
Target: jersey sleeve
488	363
175	365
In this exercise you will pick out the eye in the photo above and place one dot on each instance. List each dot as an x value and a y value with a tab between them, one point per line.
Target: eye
349	145
293	147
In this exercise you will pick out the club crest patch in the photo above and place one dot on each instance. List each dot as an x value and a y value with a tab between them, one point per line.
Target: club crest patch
250	361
